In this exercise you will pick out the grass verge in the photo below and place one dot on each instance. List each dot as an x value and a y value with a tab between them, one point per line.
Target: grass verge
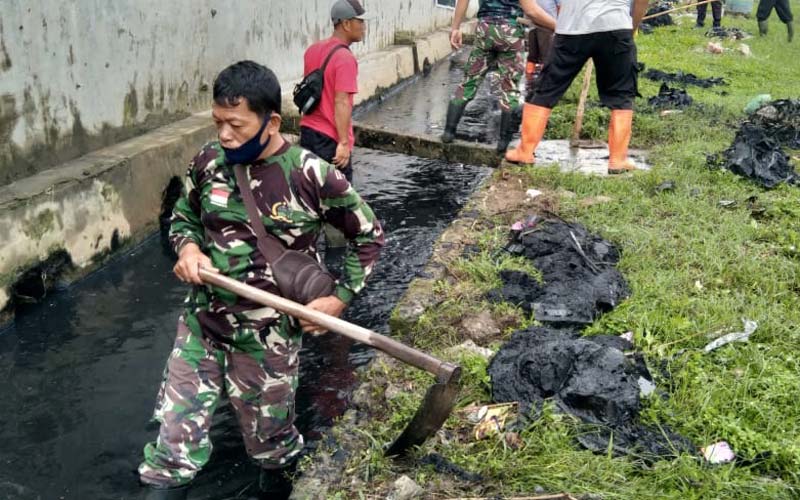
696	268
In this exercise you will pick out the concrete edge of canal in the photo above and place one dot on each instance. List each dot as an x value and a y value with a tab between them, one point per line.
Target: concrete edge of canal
63	223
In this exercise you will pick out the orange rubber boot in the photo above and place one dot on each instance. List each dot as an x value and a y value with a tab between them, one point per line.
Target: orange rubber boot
619	136
534	121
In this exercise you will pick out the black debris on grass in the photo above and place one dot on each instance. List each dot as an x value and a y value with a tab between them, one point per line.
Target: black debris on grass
756	155
662	20
734	33
445	466
670	98
579	280
597	379
781	120
683	78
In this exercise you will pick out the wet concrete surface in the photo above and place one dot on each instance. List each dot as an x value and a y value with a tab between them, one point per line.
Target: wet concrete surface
420	107
82	368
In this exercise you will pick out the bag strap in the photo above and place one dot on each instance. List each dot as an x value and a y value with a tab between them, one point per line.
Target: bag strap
330	54
269	245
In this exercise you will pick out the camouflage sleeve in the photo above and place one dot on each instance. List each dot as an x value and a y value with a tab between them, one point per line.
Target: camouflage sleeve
185	225
344	209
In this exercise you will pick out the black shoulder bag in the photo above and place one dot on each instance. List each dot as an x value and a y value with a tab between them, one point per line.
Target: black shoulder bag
308	92
299	276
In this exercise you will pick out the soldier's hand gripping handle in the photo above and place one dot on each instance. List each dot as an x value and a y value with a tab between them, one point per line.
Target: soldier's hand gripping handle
190	259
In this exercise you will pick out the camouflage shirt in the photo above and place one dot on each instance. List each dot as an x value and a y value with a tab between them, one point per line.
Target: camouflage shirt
505	10
295	193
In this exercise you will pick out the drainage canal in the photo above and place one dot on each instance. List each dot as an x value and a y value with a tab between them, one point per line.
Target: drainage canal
81	369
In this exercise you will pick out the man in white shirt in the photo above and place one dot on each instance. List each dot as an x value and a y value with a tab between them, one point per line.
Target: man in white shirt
601	30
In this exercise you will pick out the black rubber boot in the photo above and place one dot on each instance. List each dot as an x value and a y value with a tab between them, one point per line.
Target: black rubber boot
506	130
763	27
454	112
275	484
177	493
790	31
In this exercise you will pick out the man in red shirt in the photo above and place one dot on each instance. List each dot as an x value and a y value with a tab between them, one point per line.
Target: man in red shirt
328	130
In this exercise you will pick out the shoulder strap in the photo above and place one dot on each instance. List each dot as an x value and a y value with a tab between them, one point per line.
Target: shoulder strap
330	54
269	245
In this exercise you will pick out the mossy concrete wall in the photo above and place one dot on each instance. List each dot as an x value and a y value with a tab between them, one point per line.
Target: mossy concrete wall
87	206
78	76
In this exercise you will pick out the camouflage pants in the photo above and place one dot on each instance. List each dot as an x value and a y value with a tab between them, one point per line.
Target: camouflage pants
500	42
259	373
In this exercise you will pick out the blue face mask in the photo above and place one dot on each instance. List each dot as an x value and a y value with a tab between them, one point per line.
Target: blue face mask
250	150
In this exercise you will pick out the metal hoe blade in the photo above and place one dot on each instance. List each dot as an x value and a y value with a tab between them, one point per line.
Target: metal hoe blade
430	416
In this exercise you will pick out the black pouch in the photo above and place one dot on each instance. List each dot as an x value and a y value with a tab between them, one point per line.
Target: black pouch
301	278
308	93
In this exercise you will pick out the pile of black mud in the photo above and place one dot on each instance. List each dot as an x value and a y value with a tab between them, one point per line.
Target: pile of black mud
670	98
781	120
662	20
597	379
734	33
757	150
683	78
579	277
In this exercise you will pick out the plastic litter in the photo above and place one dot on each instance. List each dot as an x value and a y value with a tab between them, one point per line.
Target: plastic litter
715	48
749	327
756	102
533	193
718	453
744	49
491	419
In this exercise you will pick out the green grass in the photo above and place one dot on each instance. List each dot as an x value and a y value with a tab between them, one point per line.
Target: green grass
695	268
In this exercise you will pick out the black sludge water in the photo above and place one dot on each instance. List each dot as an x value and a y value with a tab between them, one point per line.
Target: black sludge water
81	369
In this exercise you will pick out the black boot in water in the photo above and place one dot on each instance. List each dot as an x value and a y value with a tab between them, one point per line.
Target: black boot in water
454	112
507	130
177	493
275	484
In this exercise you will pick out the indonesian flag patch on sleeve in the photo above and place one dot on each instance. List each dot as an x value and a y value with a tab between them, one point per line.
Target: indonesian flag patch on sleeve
219	197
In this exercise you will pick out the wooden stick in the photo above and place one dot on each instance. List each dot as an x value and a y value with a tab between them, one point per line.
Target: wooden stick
587	81
443	370
681	7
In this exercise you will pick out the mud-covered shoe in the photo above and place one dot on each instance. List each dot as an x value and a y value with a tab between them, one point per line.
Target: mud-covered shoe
176	493
454	112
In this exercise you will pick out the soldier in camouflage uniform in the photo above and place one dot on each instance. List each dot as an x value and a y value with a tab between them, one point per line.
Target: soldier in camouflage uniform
498	38
229	344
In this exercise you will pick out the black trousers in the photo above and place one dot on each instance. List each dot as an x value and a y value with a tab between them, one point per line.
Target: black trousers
781	7
716	13
614	56
539	42
324	147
